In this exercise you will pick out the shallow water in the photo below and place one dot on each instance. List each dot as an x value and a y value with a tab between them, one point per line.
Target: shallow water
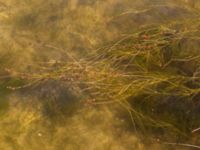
51	115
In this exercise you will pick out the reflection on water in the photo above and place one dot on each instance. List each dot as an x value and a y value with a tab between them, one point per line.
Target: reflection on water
51	116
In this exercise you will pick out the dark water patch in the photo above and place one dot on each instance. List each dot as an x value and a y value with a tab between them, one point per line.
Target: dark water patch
155	15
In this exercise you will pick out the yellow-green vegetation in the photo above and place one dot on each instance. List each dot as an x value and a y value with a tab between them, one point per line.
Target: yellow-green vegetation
93	74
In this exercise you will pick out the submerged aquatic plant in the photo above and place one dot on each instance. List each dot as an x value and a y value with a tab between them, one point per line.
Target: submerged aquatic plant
149	63
151	71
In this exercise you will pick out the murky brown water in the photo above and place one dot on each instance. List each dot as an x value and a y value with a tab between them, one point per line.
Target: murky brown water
51	116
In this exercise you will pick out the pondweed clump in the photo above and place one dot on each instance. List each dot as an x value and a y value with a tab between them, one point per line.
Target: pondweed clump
143	73
137	60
